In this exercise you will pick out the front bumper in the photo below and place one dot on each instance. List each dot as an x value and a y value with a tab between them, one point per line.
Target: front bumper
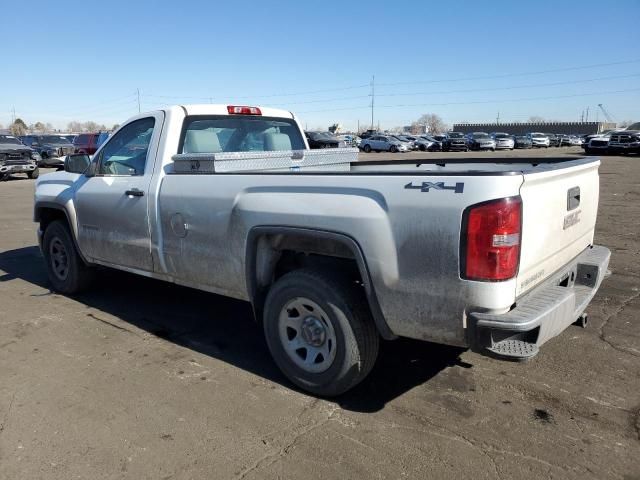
18	168
624	147
543	313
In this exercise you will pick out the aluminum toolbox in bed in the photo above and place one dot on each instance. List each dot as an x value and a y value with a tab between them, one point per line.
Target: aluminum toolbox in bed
326	160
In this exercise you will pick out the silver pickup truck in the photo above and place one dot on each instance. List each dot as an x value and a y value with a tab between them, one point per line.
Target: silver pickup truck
333	253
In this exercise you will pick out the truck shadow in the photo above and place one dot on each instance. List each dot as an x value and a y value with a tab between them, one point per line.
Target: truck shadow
224	329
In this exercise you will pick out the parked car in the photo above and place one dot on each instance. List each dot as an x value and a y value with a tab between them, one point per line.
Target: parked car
350	140
454	141
554	141
522	141
563	140
480	141
323	140
598	145
538	140
624	142
15	157
575	141
503	141
50	147
411	145
330	263
380	143
586	140
89	142
429	144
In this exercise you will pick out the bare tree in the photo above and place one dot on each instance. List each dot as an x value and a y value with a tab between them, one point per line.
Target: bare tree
433	122
74	126
18	127
115	127
535	119
39	127
624	123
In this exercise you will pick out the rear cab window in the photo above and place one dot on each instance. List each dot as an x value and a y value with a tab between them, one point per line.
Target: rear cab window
239	133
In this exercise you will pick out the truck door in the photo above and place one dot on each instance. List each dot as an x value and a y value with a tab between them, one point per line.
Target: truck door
112	201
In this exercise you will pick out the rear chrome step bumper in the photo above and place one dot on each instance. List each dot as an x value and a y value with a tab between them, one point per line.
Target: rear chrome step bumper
543	313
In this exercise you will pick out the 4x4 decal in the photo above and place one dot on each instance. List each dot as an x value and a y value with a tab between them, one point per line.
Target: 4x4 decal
426	186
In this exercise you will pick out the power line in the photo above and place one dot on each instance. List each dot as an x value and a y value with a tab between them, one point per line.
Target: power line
521	74
525	99
513	87
497	101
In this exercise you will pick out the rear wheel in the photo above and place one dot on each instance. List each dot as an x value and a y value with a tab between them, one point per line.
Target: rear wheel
423	147
67	271
34	173
393	149
367	148
320	332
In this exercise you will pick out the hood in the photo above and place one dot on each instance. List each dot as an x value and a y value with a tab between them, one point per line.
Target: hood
13	148
330	141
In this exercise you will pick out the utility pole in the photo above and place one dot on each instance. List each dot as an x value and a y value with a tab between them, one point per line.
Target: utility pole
13	115
373	96
498	119
358	130
138	92
587	115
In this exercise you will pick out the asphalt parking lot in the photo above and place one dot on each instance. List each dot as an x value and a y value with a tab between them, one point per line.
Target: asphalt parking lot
141	379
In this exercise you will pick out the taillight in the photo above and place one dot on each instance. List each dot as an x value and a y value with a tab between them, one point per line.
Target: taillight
491	240
242	110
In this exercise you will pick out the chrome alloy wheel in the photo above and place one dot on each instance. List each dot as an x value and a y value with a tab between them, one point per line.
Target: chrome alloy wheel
307	335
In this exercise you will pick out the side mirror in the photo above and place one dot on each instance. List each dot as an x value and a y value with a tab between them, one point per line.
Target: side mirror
77	163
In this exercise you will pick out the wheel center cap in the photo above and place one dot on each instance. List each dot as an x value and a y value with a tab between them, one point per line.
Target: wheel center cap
313	331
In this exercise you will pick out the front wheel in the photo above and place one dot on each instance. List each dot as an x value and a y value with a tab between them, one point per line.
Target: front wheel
67	271
34	173
393	149
367	148
320	332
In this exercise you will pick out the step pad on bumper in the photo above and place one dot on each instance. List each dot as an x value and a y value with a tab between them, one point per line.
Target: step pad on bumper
514	349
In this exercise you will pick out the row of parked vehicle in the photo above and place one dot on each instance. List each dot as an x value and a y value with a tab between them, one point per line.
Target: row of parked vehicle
458	141
27	153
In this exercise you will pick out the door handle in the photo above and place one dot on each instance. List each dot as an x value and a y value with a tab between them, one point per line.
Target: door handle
134	192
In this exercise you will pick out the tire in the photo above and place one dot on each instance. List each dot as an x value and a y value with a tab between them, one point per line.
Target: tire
68	273
367	148
393	149
34	174
338	311
422	147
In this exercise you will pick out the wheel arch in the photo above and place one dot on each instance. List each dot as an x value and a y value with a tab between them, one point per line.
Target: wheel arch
264	250
46	212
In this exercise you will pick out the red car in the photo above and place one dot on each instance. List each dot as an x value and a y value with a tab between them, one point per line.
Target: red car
88	142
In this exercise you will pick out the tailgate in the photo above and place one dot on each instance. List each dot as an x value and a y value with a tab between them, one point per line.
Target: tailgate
559	209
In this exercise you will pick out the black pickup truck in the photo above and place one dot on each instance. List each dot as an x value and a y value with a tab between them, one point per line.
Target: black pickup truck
17	158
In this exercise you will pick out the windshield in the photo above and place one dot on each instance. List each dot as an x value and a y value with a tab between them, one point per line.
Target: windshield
501	135
9	139
214	134
53	139
480	135
538	135
455	135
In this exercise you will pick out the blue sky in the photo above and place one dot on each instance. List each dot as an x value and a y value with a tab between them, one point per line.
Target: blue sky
70	60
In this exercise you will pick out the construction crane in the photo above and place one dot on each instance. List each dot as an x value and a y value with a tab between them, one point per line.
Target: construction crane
606	114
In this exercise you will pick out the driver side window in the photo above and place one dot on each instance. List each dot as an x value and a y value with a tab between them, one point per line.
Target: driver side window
126	152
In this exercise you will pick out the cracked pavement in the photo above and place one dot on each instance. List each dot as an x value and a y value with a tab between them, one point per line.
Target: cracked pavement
139	379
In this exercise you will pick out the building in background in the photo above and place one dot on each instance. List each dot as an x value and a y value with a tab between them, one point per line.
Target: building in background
569	128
